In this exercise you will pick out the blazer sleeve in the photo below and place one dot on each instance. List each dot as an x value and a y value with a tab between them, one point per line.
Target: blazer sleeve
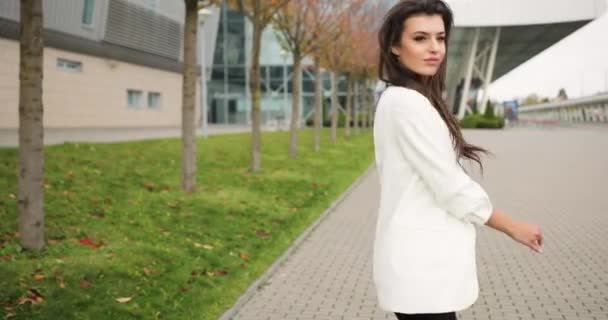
421	137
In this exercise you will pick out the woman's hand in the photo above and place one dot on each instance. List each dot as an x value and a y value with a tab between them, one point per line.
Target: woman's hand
528	235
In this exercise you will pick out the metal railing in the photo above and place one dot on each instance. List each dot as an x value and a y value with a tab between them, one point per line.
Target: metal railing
592	109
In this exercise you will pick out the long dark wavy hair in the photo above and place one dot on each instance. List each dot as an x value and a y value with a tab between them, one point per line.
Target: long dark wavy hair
391	71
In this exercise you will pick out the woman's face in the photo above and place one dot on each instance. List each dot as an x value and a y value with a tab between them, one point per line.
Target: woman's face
422	45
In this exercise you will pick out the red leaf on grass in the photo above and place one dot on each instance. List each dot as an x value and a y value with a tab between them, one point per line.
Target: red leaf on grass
90	243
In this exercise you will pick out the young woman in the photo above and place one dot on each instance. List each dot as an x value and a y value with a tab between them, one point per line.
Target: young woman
424	249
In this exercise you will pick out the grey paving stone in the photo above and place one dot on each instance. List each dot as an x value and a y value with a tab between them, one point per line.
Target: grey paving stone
554	177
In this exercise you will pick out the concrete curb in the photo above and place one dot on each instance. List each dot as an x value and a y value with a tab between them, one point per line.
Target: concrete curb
244	298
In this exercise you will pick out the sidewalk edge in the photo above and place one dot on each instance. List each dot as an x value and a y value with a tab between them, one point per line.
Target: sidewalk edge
244	298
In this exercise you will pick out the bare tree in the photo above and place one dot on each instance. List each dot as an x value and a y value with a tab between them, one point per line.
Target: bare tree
300	23
31	134
260	14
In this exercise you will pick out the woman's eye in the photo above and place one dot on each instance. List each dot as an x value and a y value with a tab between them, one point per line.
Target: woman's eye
419	38
441	39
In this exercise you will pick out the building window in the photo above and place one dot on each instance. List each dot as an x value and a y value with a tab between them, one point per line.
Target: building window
69	65
154	101
134	98
87	12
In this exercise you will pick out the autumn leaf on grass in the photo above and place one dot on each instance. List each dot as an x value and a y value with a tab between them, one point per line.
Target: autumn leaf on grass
262	234
148	271
33	297
39	277
204	246
10	315
90	243
244	255
12	234
85	284
59	278
124	300
221	272
150	186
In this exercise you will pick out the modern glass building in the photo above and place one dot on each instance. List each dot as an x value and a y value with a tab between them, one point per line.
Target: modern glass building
228	92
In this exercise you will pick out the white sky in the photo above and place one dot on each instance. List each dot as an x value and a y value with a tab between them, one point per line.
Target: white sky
578	63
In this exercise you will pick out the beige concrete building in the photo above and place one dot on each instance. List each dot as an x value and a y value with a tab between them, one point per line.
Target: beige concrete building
107	64
81	90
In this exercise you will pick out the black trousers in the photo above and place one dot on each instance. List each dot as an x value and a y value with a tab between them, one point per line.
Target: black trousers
427	316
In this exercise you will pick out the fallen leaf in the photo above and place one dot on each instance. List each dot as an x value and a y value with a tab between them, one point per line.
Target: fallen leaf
98	214
85	284
7	257
12	195
12	234
33	297
39	277
9	315
111	255
149	185
147	271
244	255
204	246
262	234
221	272
90	243
124	300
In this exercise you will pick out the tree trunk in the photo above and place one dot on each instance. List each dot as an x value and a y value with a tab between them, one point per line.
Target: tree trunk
334	107
295	105
318	108
357	107
370	105
349	103
256	121
31	135
188	98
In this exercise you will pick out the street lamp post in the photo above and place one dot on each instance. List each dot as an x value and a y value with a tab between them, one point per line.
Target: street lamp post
202	15
284	55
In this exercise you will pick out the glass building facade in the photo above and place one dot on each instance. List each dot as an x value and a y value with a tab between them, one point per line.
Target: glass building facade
229	100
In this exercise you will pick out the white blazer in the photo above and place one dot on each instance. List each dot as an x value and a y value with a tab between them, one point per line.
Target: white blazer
424	246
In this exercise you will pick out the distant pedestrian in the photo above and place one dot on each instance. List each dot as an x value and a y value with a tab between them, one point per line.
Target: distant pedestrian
424	249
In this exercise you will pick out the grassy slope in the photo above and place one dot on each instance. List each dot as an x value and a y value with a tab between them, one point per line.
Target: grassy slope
179	256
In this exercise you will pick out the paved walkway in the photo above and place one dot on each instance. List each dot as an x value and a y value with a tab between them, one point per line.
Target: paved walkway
556	177
10	137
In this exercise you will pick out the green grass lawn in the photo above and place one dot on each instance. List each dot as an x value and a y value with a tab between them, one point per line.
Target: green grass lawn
118	226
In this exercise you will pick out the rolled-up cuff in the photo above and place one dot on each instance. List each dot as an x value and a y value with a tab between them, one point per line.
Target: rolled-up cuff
481	214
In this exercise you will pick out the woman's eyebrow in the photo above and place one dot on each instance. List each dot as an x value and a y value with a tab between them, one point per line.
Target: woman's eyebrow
426	33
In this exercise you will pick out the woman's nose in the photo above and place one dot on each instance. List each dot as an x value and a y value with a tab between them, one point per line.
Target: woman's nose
434	45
